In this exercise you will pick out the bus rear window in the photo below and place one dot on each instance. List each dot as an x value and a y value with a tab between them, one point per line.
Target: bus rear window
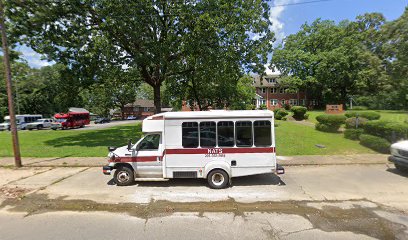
244	134
190	134
262	134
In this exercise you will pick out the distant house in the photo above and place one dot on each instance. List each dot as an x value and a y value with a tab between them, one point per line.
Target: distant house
140	109
272	94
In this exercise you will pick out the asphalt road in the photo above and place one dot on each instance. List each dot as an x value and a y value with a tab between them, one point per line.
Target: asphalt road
94	126
313	202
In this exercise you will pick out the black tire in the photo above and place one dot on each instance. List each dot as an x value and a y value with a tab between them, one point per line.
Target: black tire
39	127
124	176
401	168
218	179
29	129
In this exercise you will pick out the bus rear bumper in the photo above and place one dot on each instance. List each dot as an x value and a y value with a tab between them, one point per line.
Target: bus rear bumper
280	169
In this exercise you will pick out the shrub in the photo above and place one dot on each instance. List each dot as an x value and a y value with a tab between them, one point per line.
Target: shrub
359	108
263	107
298	112
287	106
280	113
284	118
326	128
376	143
370	115
306	116
392	131
329	123
351	122
353	134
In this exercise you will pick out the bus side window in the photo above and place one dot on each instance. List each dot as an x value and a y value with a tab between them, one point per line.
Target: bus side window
243	131
262	134
207	134
225	134
190	134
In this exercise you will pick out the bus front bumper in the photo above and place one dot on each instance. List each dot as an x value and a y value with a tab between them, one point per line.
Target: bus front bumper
107	170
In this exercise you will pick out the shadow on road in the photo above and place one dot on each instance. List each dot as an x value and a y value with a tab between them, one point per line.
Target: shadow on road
398	172
261	179
115	136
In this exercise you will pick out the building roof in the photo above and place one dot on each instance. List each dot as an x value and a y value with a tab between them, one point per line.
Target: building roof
141	103
265	83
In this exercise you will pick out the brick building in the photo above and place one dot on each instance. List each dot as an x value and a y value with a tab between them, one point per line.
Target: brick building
140	109
270	93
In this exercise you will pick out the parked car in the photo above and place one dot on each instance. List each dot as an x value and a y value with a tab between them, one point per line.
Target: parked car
101	120
40	124
399	155
131	118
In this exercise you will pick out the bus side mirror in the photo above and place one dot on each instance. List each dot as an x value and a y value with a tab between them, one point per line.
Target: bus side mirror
129	144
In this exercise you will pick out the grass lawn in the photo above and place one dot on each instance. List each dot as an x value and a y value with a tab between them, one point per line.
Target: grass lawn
69	143
291	139
296	139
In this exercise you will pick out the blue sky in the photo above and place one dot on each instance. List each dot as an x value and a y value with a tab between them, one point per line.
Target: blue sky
288	19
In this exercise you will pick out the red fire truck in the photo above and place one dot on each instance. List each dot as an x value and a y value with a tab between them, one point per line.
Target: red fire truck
70	120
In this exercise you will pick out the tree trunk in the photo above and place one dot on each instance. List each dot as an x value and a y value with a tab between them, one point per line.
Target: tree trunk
157	98
122	113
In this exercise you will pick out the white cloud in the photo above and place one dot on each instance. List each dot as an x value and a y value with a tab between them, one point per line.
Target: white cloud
275	14
33	58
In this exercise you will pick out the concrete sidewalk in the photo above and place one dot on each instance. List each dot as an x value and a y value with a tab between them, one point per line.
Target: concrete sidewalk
283	160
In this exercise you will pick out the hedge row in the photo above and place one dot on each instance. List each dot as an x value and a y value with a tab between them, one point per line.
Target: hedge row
353	134
329	123
376	143
392	131
351	122
370	115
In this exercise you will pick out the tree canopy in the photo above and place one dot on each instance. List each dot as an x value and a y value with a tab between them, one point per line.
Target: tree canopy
164	40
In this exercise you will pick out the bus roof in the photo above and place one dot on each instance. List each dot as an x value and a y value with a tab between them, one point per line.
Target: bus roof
215	114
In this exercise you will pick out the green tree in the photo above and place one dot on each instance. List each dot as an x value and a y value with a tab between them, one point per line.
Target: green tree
158	38
333	61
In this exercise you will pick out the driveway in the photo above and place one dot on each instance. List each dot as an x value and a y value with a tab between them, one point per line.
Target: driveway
94	126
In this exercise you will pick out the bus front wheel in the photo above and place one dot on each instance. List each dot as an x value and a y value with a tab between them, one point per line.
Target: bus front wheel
218	179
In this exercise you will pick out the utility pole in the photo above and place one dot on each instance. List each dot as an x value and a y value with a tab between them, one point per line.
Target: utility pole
7	71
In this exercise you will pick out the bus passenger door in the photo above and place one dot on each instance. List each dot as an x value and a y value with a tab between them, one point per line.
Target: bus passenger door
149	157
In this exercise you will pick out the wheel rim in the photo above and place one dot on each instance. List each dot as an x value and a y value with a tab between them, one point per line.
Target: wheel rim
123	176
217	179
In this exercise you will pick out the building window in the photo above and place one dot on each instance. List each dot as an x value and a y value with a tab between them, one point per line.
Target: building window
243	131
283	101
313	102
273	90
262	133
293	102
262	102
271	80
274	102
263	90
225	134
190	134
146	109
281	90
302	102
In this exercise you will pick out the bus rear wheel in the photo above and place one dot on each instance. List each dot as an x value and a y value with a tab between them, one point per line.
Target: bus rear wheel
218	179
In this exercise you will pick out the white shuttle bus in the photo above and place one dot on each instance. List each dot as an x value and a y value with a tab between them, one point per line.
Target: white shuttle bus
217	145
21	121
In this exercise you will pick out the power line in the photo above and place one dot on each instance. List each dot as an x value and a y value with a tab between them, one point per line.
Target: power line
300	3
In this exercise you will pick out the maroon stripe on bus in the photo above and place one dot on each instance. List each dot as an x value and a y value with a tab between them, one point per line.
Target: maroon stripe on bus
220	150
139	159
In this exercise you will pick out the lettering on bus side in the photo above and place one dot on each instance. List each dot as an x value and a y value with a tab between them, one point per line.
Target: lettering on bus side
214	152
